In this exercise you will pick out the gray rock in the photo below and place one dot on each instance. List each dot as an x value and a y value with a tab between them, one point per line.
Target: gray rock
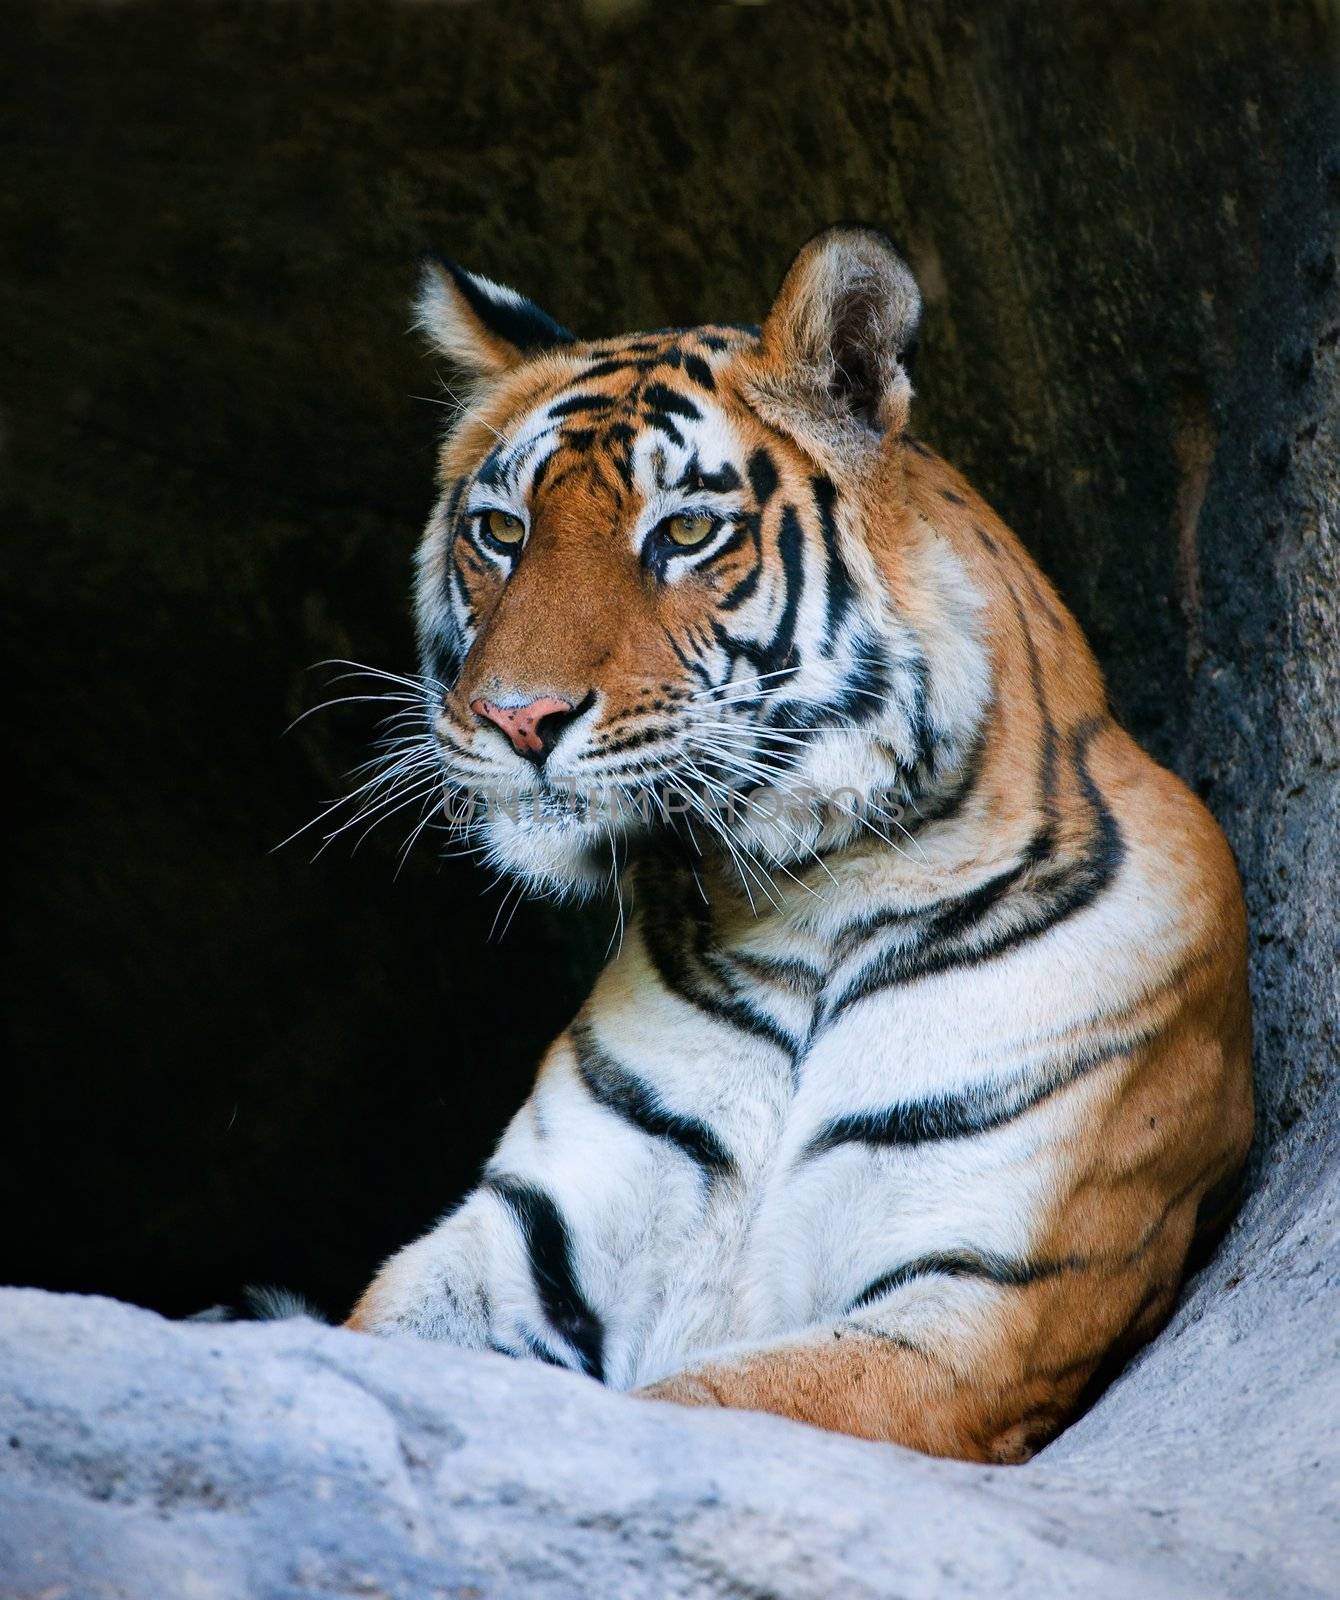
142	1459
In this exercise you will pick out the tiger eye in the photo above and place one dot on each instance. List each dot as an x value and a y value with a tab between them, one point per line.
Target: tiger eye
689	528
503	527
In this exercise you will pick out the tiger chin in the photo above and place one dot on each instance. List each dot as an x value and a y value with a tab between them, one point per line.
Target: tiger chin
902	1103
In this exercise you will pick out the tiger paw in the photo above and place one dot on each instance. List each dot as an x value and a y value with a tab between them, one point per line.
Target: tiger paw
683	1389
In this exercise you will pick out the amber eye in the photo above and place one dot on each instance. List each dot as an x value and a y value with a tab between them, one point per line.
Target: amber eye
689	528
503	528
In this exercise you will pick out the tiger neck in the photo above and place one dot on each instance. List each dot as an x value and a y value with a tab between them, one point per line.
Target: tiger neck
1011	697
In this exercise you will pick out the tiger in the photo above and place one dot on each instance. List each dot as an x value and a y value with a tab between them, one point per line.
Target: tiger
922	1060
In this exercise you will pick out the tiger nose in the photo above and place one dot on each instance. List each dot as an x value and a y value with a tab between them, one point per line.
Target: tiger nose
533	728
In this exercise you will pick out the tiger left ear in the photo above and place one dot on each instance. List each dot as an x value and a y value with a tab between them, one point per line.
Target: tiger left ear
838	339
480	326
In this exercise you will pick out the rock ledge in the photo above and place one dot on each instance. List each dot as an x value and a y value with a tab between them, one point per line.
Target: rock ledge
148	1459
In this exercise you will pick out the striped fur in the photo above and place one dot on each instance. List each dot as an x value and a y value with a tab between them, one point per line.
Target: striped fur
898	1122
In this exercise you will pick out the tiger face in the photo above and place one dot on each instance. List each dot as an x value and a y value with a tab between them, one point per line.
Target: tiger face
655	592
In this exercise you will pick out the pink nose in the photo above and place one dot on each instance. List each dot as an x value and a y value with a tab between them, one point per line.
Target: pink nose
534	728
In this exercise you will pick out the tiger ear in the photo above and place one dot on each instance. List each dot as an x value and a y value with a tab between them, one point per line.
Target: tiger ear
480	326
837	342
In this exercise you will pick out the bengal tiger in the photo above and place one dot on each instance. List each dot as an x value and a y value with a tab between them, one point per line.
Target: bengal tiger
895	1117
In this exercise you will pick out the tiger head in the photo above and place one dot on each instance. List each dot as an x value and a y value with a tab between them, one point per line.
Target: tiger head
666	588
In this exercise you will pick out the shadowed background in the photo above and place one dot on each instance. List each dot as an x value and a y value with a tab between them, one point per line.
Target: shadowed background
230	1065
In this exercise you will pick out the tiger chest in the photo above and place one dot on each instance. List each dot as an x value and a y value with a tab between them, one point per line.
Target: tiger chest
815	1196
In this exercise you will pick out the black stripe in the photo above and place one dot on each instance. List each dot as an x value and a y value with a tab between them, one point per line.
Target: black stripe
575	404
753	524
699	371
662	398
456	584
616	364
864	693
688	662
962	1115
919	718
542	466
778	652
942	807
490	470
1044	605
1047	762
535	1348
444	658
635	740
763	478
618	440
563	474
719	480
453	504
625	1094
727	546
467	555
452	575
674	927
549	1246
838	578
661	420
965	1264
736	597
794	976
950	936
538	1350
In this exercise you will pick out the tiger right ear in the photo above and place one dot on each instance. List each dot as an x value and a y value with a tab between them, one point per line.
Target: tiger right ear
480	326
838	339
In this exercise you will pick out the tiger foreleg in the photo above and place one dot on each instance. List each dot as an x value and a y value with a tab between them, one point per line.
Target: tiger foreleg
497	1274
875	1386
438	1287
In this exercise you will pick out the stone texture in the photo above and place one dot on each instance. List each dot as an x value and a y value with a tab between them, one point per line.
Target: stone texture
141	1459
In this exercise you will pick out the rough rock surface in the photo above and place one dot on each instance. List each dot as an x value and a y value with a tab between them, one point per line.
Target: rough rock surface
146	1460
